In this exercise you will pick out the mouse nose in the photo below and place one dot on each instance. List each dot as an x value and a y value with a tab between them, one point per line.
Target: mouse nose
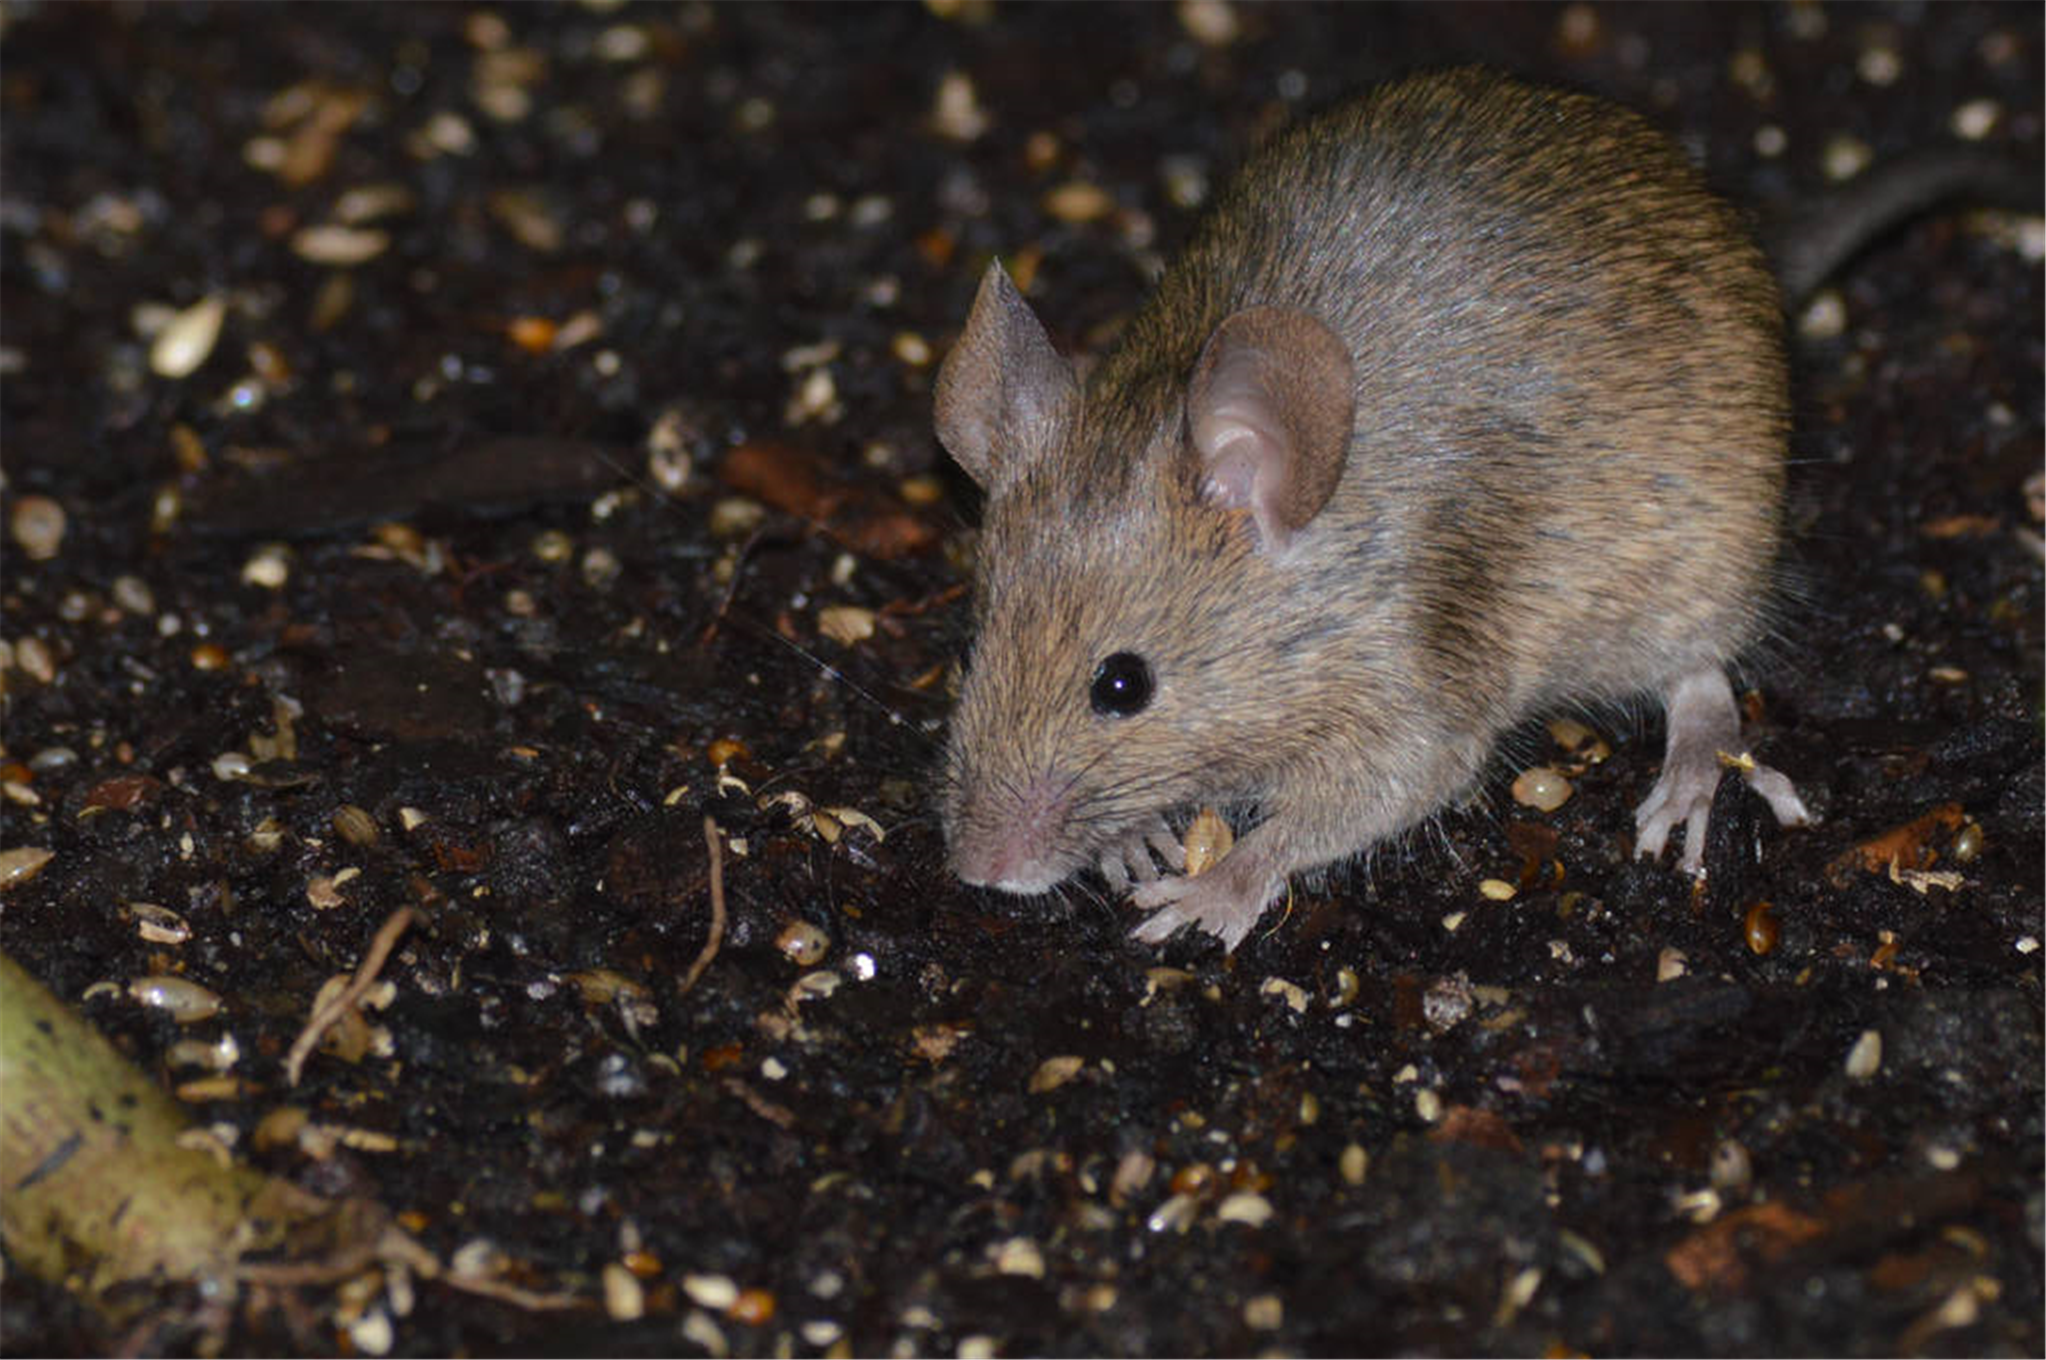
1011	844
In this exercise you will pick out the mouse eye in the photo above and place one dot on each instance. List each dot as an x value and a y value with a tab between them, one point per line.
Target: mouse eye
1122	685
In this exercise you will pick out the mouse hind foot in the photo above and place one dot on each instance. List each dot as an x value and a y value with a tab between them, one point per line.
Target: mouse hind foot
1704	735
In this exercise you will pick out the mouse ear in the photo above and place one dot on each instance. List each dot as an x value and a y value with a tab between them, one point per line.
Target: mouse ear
1270	411
1004	395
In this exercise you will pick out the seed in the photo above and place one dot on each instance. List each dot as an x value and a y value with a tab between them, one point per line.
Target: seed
184	1001
1865	1059
38	527
188	338
1760	928
1541	787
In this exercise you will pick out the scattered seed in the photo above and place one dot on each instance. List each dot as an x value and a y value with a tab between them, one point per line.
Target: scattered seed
1053	1073
232	765
32	658
1245	1207
1866	1057
956	112
736	517
354	825
1824	318
1078	201
159	925
624	1295
1354	1163
188	338
21	863
1732	1170
1844	158
1975	119
911	349
1428	1105
1879	66
753	1307
1176	1214
1760	928
803	944
1207	840
269	568
1019	1256
132	594
331	244
1968	845
186	1002
845	624
1498	890
1211	23
1264	1313
1295	995
38	527
1670	965
1541	787
711	1291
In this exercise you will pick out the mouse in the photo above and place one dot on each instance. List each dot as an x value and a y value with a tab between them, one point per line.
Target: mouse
1466	402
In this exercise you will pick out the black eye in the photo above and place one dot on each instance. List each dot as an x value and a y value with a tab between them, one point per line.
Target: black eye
1122	685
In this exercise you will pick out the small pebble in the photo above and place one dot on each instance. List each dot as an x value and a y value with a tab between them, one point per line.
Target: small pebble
37	524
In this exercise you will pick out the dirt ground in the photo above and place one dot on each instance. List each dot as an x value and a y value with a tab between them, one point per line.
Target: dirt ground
492	440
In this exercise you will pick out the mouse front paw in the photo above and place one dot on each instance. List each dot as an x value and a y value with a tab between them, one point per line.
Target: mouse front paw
1223	903
1129	859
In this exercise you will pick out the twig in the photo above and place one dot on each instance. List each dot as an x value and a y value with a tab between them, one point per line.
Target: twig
344	1001
717	907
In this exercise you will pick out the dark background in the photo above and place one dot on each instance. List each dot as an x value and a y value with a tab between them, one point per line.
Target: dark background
496	615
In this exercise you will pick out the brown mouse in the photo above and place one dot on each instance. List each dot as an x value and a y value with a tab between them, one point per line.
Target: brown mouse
1467	401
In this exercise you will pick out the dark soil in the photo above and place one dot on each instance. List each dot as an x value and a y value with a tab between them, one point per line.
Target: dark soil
398	546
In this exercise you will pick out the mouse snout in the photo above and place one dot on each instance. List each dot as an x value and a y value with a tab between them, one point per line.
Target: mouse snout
1009	840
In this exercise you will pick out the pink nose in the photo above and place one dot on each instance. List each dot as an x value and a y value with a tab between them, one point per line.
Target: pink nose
1015	845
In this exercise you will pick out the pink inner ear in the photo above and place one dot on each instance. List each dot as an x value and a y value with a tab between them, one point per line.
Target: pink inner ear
1230	483
1269	418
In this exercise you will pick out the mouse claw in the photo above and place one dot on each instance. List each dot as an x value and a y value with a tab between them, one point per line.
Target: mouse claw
1218	902
1703	724
1129	860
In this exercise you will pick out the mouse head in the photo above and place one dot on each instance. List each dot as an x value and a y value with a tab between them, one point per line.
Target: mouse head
1133	592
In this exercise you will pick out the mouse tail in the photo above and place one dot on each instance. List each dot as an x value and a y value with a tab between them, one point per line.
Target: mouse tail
1809	246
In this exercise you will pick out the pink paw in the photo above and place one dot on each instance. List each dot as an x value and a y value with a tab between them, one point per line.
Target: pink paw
1217	902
